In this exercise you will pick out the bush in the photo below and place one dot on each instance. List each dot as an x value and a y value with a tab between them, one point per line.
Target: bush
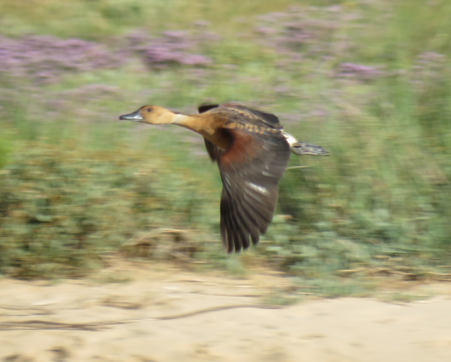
4	149
60	209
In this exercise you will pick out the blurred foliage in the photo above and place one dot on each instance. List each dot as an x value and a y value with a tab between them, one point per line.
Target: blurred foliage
369	81
93	19
3	152
61	208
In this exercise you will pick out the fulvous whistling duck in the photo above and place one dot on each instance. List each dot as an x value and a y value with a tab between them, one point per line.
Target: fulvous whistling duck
252	153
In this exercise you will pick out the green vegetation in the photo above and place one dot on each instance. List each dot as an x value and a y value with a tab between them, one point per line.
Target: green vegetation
370	82
94	19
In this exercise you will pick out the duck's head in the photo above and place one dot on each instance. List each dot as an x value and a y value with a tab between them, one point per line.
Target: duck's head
150	114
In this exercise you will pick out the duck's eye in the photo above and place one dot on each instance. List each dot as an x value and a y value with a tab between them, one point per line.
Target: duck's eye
149	110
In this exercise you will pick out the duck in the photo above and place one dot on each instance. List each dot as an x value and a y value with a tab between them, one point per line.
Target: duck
251	150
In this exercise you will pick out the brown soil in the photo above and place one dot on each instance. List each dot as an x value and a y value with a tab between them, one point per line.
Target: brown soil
163	314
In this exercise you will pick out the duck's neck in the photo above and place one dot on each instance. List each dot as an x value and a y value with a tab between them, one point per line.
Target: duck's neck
206	127
191	122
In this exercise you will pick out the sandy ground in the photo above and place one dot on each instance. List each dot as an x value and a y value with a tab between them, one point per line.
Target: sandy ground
85	320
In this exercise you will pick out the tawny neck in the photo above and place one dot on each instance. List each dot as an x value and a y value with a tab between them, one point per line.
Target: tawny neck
205	125
194	123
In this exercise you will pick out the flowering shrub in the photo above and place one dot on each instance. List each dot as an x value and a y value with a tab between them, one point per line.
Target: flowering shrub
46	58
170	48
60	208
357	71
300	30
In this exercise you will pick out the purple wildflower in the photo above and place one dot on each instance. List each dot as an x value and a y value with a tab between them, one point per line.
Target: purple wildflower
172	48
357	71
45	58
427	70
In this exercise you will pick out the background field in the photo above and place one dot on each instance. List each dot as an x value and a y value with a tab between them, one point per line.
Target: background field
367	80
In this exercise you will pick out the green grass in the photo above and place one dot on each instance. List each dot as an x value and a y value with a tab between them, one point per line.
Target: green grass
379	202
100	18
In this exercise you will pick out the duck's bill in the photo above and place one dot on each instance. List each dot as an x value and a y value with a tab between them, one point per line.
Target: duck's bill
135	116
307	149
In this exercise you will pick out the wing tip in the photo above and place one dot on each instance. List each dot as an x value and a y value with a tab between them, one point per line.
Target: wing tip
205	107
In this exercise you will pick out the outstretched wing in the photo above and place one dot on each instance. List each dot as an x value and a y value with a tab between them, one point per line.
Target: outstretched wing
250	171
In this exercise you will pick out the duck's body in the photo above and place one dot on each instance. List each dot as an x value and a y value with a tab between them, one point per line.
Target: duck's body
252	153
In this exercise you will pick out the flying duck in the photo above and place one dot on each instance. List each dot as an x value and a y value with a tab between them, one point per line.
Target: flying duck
252	153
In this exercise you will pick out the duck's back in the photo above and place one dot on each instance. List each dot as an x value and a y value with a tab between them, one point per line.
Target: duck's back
241	114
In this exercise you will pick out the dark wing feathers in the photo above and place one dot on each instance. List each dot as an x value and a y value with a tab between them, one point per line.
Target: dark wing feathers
236	225
213	151
205	107
250	177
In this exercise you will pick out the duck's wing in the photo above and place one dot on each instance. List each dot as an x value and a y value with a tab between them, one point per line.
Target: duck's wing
250	171
252	115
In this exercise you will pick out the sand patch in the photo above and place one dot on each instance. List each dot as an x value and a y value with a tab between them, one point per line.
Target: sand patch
213	319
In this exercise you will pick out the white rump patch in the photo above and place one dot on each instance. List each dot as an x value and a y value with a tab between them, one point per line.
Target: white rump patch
257	188
290	138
